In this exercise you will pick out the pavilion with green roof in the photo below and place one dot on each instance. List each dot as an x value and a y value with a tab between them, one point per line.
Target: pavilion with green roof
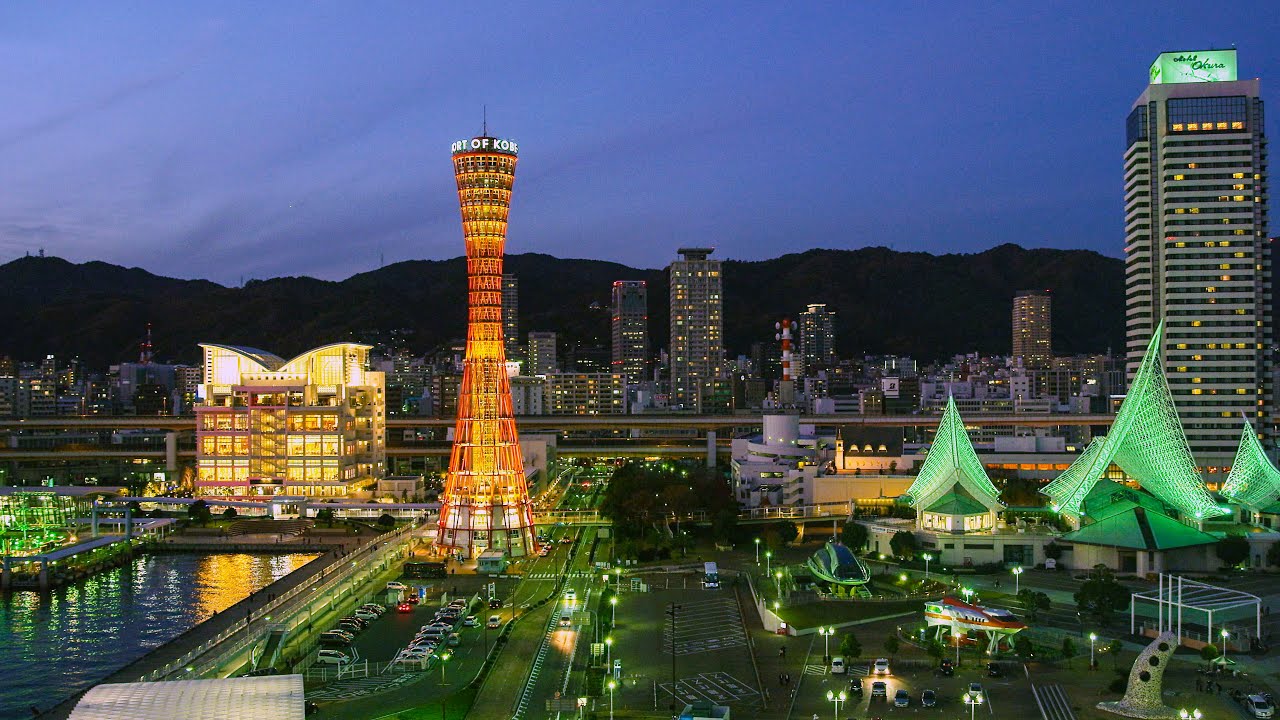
1147	443
952	492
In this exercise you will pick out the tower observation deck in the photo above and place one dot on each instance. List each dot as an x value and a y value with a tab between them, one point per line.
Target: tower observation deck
486	503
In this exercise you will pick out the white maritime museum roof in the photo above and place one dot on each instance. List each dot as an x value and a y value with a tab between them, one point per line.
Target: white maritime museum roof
272	697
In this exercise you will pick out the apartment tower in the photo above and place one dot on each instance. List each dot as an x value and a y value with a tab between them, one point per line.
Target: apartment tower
630	324
1033	327
1196	248
697	334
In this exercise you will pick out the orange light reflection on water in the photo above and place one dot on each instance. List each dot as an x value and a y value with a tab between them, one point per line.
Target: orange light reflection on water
215	594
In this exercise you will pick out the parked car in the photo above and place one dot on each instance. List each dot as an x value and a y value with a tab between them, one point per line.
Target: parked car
928	698
374	608
495	621
359	621
879	691
350	626
975	688
837	666
947	668
882	666
901	698
1258	706
394	585
363	614
332	657
993	670
459	604
855	686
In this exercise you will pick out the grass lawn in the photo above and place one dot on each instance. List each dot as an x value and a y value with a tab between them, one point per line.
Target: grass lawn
830	613
459	704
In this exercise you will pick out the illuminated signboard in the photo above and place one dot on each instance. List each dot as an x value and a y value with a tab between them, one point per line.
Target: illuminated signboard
485	144
1194	66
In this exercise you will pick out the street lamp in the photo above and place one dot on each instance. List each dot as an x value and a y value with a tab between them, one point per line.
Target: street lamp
617	585
768	562
608	648
826	633
927	557
835	700
973	701
613	606
777	582
1189	715
1225	635
443	659
757	552
1017	579
612	685
1093	638
967	592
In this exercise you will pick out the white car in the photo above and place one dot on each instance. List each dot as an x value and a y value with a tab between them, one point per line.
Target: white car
1258	706
495	621
366	614
571	595
471	621
393	585
332	657
837	666
881	666
373	608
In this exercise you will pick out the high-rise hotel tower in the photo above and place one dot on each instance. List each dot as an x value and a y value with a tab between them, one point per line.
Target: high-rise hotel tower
697	334
486	504
1196	248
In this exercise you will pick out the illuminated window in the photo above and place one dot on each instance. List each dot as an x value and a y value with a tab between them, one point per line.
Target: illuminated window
1177	127
1237	125
1238	176
1179	177
1191	166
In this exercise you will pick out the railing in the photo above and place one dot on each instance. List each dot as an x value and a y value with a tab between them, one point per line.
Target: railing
378	548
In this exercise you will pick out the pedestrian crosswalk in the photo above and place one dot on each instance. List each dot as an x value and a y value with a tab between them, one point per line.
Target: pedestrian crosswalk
359	687
554	575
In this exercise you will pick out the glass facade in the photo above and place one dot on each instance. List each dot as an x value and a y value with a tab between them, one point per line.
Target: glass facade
1208	114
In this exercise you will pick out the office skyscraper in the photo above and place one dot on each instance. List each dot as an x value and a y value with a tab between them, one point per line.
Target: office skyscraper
542	353
817	336
1196	248
697	339
511	313
1033	327
485	504
630	321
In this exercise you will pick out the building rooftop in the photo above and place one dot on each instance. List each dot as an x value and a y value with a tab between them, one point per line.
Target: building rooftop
273	697
956	502
1138	529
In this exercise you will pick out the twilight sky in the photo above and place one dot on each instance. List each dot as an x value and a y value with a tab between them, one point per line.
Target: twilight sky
229	140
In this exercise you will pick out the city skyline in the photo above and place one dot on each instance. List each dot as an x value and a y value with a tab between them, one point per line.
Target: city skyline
293	157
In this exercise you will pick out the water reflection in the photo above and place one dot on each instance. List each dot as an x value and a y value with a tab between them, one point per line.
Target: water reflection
73	637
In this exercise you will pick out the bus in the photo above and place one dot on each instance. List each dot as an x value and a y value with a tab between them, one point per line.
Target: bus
430	569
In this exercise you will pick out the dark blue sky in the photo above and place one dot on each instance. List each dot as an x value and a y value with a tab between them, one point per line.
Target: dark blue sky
270	139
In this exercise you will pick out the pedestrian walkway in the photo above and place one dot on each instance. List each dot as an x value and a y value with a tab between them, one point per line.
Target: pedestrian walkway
359	687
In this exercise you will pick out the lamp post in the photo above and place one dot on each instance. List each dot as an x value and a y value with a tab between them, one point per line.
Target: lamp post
1017	578
757	552
444	658
1189	714
608	649
973	700
1225	635
835	700
826	633
777	583
1093	638
613	608
612	685
927	557
617	585
768	562
955	635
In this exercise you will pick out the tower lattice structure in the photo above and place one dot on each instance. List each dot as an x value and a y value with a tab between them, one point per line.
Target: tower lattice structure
486	503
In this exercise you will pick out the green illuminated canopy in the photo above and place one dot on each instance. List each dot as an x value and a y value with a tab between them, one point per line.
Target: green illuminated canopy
1253	481
1147	442
951	461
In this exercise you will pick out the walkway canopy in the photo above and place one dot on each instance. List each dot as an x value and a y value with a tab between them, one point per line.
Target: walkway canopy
1177	599
1147	442
273	697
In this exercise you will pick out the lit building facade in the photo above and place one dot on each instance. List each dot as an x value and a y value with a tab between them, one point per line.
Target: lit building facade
630	325
817	338
313	426
697	329
1197	254
542	354
511	313
1033	327
485	504
586	394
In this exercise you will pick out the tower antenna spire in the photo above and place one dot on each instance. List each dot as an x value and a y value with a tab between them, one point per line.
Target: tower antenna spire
484	121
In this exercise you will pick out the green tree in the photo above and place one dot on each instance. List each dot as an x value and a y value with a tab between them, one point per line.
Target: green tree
850	647
229	514
1209	653
935	649
1053	550
325	515
1101	596
199	512
386	521
892	644
904	544
854	536
1068	650
1022	646
1232	550
724	526
788	531
1113	649
1033	602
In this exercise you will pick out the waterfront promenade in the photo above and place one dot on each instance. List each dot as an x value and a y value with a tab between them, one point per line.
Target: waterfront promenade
241	620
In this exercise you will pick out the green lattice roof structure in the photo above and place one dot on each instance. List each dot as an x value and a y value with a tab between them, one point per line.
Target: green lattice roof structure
957	502
1140	529
952	461
1147	442
1253	480
1109	498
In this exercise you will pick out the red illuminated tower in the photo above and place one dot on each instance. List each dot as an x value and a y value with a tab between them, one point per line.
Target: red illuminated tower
486	502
